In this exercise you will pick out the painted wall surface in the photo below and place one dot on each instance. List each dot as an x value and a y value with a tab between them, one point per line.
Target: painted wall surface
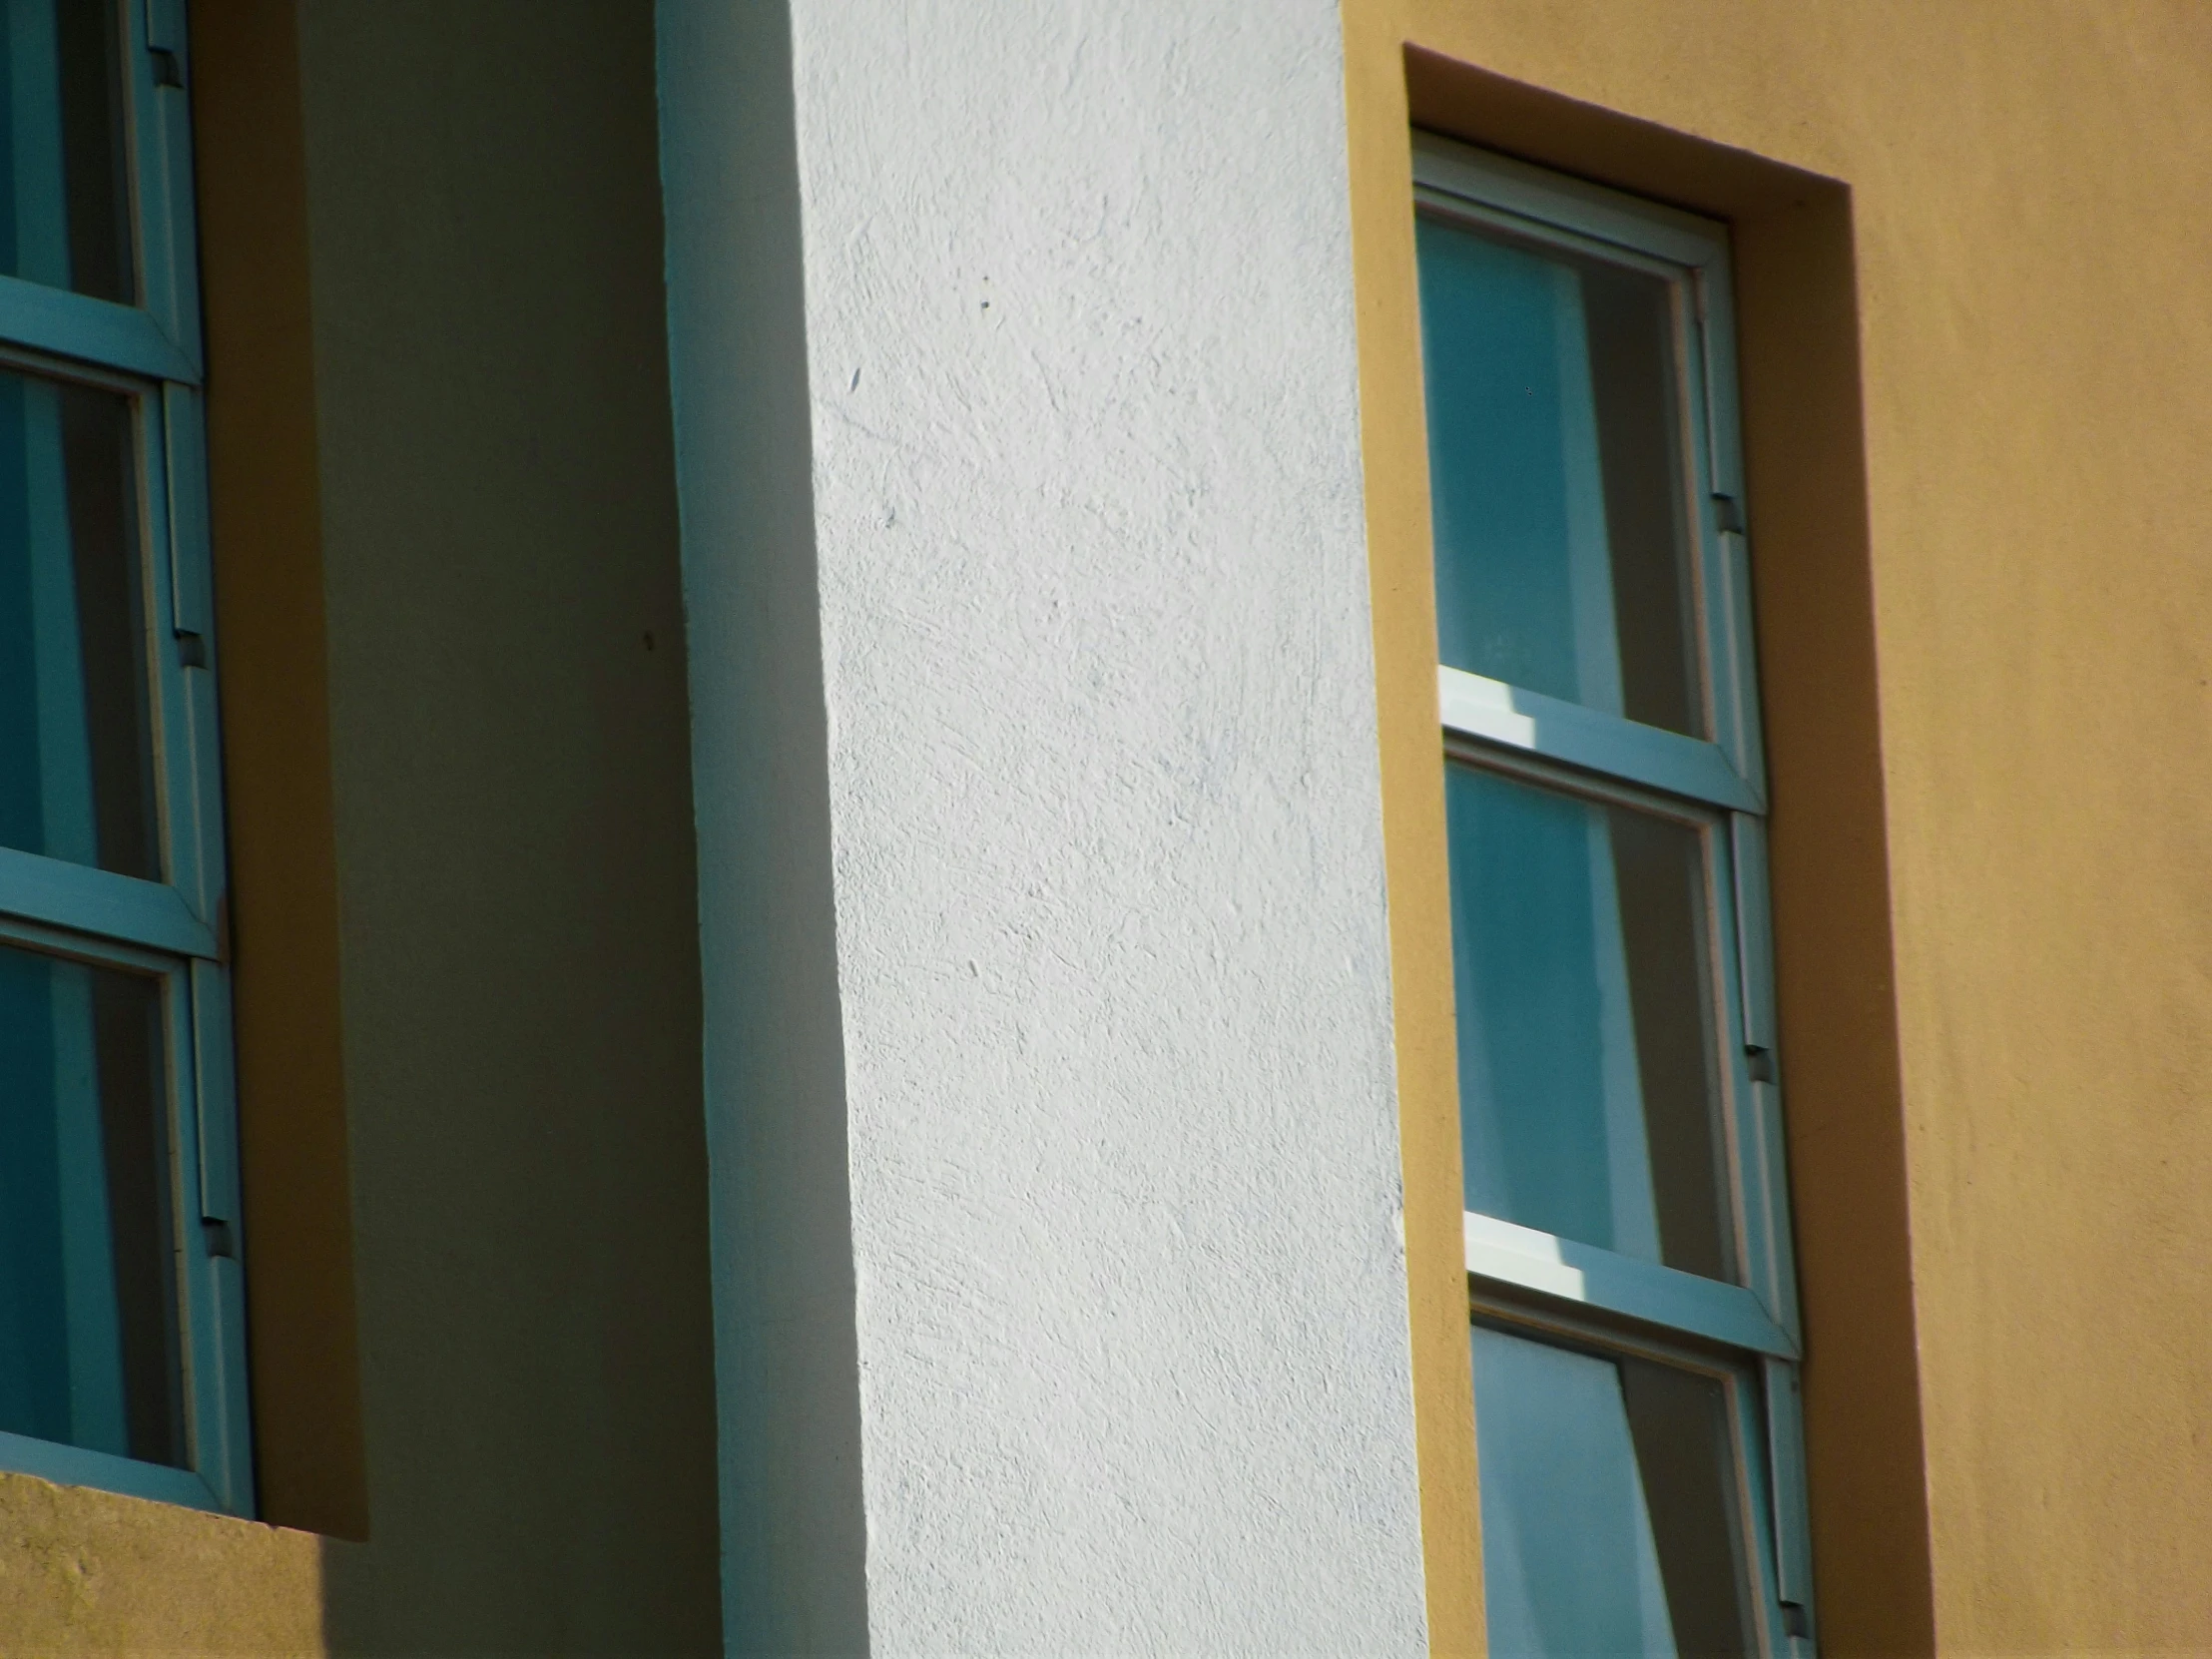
1106	1036
2028	188
516	862
514	848
85	1572
1058	1299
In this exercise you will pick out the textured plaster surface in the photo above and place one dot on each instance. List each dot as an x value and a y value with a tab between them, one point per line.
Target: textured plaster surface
86	1573
1102	811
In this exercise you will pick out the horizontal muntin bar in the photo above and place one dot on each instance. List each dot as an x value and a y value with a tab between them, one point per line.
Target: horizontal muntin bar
101	904
1493	712
54	322
1531	1259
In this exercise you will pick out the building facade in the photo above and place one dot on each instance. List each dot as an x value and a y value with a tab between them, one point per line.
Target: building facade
879	869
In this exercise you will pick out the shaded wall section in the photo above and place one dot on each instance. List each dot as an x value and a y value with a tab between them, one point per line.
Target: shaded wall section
515	857
787	1349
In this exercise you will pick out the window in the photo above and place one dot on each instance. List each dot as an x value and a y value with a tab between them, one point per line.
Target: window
1631	1288
120	1339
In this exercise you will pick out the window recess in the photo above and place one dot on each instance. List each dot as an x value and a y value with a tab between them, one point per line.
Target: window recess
1631	1288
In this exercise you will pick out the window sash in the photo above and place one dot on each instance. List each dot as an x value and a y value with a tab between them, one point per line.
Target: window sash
179	914
1691	255
101	903
203	1176
159	338
1603	1302
1474	705
172	928
1529	1258
56	323
1756	1215
76	1465
1559	208
1770	1549
161	144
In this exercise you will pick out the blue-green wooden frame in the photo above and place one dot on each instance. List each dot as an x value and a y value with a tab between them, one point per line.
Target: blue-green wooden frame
1519	1275
172	930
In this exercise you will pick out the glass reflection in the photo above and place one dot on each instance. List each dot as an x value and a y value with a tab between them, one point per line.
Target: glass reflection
64	218
88	1301
1588	1097
1608	1522
1556	478
76	733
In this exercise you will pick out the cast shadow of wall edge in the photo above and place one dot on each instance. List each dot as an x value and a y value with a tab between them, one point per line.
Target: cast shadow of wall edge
787	1340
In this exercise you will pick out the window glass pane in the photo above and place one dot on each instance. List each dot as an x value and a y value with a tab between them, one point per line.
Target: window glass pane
1588	1104
66	217
76	751
1608	1518
88	1299
1556	478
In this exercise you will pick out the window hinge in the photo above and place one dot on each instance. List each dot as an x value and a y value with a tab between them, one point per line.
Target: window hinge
1760	1063
1797	1623
168	72
221	1238
1728	515
191	650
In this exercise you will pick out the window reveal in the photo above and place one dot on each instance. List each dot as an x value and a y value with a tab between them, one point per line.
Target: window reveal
1631	1288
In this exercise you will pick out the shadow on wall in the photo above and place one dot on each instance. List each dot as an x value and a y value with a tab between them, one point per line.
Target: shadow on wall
458	741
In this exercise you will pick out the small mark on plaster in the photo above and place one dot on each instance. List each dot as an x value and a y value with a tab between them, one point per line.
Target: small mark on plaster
855	386
648	640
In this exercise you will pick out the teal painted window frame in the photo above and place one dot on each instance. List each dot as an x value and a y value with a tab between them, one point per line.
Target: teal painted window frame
170	930
1745	1335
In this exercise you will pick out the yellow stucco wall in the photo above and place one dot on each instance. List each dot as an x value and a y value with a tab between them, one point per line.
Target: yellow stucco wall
84	1572
2030	188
